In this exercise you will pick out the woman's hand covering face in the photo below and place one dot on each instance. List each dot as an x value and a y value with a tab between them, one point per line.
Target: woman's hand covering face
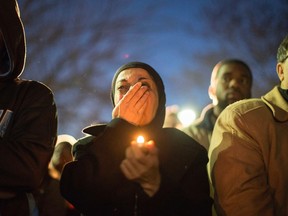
133	104
136	97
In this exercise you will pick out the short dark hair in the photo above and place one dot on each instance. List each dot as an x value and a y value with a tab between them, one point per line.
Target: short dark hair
282	52
229	61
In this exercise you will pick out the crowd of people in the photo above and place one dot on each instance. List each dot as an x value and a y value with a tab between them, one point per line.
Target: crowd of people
231	161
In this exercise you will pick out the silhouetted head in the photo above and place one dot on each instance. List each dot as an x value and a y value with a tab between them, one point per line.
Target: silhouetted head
12	41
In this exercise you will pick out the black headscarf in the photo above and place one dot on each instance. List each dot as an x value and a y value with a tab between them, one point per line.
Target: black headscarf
158	120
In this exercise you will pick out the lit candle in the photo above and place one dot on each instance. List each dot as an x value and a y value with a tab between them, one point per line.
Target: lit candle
140	141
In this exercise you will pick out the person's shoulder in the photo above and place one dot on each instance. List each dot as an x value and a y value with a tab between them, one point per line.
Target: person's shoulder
181	150
84	140
82	143
183	140
192	129
200	122
245	106
36	86
33	83
244	115
175	133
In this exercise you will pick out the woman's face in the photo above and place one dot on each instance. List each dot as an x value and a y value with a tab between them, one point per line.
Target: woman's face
129	77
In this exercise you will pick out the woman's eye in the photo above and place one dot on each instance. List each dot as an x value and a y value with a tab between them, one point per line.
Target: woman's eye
120	87
146	84
123	89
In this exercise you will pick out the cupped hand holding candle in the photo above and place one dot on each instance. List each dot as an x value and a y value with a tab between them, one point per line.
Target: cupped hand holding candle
141	164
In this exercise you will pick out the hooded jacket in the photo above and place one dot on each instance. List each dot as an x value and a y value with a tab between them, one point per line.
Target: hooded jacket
28	119
95	185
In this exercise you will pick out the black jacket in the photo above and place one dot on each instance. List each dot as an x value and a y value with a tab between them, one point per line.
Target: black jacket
28	119
94	184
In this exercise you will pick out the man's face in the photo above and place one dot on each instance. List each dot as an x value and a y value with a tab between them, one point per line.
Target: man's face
233	83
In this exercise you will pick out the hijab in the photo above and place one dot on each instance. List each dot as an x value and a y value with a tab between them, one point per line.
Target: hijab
158	120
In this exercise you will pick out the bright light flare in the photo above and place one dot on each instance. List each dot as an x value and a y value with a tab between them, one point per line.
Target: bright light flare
186	117
140	140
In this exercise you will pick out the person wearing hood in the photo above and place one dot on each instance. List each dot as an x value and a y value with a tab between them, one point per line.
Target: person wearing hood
28	120
114	174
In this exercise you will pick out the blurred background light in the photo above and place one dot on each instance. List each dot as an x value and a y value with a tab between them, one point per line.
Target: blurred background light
186	116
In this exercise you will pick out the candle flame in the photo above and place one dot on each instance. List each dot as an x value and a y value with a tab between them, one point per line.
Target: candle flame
140	139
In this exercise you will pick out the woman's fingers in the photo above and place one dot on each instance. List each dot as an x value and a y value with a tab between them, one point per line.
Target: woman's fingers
132	92
132	106
141	104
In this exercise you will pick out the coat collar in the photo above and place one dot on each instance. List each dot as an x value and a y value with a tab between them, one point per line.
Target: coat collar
277	104
94	130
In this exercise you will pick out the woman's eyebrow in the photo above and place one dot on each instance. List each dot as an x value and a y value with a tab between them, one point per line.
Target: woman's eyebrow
144	78
122	80
126	81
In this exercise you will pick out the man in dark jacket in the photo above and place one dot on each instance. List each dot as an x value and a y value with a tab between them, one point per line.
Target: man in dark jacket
28	120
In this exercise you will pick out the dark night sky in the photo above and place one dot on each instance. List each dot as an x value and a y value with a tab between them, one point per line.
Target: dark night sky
172	36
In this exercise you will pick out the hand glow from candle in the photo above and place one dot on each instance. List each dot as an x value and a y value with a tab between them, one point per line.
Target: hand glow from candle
140	141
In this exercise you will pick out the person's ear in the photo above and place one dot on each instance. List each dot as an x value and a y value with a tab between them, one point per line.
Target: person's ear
212	92
280	71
